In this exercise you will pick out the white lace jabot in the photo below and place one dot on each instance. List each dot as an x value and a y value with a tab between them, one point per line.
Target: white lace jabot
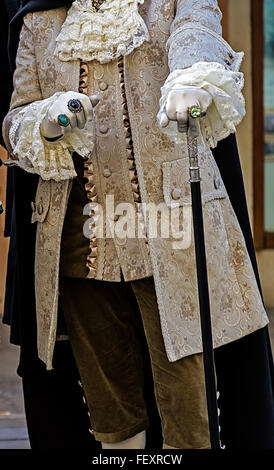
115	29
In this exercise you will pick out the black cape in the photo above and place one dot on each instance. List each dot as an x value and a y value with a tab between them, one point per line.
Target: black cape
244	367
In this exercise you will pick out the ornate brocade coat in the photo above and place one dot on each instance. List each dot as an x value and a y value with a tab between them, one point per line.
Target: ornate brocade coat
181	33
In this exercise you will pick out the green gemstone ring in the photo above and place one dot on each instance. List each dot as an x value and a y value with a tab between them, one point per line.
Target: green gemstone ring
63	120
196	112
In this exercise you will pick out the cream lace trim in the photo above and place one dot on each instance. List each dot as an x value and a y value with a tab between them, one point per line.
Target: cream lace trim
36	155
228	103
115	29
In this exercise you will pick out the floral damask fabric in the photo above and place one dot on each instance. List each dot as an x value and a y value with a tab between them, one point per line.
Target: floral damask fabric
161	165
197	31
236	307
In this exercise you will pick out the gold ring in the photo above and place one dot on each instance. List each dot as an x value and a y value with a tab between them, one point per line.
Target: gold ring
196	112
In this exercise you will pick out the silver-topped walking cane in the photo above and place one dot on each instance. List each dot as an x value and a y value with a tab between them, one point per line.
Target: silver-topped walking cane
193	131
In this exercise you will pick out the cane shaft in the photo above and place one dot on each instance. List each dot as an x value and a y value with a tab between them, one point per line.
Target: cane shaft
208	353
203	290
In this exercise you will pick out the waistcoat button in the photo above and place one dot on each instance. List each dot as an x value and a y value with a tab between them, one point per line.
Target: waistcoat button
103	86
103	129
106	172
176	193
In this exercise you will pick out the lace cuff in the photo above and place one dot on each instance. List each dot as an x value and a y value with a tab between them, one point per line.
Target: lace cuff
50	160
228	103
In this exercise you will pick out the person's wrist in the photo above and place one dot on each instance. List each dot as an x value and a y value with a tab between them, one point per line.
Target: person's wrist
50	140
50	131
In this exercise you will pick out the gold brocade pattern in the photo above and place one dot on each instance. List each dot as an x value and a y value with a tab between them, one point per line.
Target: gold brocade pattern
91	263
128	135
89	170
129	146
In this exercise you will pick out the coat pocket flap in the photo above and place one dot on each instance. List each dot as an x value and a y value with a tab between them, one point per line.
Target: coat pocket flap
42	200
176	185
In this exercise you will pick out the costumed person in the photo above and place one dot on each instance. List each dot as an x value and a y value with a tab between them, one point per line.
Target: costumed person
48	395
135	54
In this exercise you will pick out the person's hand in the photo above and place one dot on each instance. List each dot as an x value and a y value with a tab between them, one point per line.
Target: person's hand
70	110
179	101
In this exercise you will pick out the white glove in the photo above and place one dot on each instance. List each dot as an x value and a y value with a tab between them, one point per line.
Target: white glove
177	103
50	127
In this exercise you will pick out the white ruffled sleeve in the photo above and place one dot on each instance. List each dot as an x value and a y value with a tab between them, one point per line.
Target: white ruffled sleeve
199	56
50	160
21	127
228	104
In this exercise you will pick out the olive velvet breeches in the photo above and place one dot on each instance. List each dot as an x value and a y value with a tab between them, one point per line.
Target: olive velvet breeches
102	323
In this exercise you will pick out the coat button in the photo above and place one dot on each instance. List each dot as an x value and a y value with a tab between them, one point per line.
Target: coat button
217	183
116	217
106	172
103	86
103	129
176	193
40	208
33	206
